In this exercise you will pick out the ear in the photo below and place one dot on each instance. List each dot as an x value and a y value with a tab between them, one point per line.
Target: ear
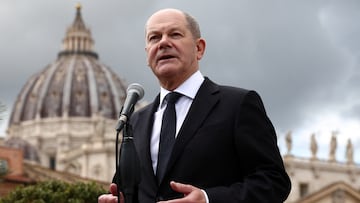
200	48
147	55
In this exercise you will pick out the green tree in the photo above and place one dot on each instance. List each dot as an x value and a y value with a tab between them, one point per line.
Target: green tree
55	192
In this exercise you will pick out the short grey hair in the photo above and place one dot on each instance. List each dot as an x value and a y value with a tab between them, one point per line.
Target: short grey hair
193	25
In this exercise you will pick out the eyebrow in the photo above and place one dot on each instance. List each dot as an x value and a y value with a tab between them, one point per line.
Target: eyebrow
155	31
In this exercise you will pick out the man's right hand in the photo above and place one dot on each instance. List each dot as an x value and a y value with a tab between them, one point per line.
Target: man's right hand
111	198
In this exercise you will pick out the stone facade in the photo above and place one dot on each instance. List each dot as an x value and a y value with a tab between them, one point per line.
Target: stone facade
322	181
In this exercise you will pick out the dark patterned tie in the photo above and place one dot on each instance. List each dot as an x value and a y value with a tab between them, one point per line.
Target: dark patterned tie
167	134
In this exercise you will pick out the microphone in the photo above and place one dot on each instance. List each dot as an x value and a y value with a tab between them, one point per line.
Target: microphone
135	92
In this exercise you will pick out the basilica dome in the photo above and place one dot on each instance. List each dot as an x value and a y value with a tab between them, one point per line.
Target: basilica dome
68	111
77	84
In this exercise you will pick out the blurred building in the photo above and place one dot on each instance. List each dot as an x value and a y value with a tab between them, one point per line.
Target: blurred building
11	170
67	112
317	180
15	172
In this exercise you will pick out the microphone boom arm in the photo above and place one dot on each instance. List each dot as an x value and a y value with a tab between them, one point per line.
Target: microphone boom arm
127	175
128	167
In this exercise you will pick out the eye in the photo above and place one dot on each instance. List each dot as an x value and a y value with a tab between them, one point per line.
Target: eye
176	35
153	38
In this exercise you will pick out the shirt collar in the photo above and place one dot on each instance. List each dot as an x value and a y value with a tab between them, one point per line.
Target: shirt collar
189	88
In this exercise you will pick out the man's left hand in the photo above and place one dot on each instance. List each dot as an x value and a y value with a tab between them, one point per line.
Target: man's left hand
191	194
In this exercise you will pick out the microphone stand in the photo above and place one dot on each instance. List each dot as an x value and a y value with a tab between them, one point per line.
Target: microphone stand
127	166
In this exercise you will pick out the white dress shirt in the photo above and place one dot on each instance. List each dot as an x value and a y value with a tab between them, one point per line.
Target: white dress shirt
189	89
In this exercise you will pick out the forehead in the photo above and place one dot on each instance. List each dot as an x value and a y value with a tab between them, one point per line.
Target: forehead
165	19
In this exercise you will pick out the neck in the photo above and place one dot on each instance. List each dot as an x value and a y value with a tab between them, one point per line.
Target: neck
174	82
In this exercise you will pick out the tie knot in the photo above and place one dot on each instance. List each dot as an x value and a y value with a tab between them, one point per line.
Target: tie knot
172	97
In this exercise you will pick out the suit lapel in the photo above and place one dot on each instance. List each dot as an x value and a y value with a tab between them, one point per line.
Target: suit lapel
204	101
144	127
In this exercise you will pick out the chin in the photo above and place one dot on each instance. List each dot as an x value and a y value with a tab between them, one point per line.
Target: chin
166	68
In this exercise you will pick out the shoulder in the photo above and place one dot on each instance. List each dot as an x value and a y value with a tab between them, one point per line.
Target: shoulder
235	97
230	92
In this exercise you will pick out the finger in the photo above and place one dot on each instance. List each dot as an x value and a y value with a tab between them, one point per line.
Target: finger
107	198
113	189
181	188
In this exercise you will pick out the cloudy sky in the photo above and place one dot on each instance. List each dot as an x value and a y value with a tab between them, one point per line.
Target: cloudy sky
303	57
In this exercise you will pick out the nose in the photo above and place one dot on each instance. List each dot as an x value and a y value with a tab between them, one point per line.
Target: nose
164	42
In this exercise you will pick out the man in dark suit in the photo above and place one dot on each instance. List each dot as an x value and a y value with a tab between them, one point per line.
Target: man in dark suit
225	148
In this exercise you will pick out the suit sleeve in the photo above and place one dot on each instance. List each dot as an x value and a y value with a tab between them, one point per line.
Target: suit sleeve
256	144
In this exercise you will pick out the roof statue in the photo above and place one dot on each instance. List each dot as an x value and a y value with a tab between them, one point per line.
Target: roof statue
333	146
288	139
349	152
313	147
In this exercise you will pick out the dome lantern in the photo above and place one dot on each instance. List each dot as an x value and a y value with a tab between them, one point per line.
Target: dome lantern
78	38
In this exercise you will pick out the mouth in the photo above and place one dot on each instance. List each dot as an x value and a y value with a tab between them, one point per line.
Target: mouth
165	57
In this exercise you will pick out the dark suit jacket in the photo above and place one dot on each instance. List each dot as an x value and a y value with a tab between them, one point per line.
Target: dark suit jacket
226	146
